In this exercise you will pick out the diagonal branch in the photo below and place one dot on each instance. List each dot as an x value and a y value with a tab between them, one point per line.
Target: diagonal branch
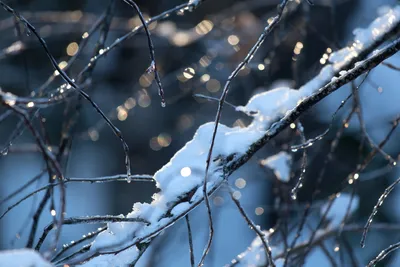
182	180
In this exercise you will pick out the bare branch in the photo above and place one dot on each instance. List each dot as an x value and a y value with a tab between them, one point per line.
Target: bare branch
191	251
153	64
255	228
72	83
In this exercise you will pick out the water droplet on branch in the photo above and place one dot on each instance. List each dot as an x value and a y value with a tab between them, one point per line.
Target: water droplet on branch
152	67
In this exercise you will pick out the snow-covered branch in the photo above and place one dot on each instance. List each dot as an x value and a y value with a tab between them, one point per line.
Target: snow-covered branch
181	180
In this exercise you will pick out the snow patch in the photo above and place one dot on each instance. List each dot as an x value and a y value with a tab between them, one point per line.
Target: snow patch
365	37
280	164
23	258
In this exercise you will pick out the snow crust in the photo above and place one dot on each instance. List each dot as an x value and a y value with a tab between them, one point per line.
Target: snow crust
366	37
22	258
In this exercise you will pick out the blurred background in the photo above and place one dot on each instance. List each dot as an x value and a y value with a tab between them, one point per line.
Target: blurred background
195	53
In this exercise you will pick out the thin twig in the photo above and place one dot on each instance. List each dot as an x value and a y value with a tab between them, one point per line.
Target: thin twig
357	102
113	178
299	183
391	66
383	254
210	98
153	64
82	44
88	236
87	220
242	64
48	157
375	210
22	187
104	179
255	228
191	251
71	82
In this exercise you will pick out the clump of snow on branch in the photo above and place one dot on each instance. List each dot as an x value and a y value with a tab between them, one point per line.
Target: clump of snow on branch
366	37
270	106
185	170
23	257
280	164
184	174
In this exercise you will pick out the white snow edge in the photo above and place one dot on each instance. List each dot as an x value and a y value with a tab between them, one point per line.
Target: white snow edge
22	258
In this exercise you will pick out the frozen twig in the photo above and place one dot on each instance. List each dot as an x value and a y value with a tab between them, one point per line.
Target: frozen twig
186	6
381	198
299	183
210	98
72	83
262	235
86	220
48	156
358	107
319	137
153	64
74	243
191	251
105	179
383	254
270	26
113	178
82	44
